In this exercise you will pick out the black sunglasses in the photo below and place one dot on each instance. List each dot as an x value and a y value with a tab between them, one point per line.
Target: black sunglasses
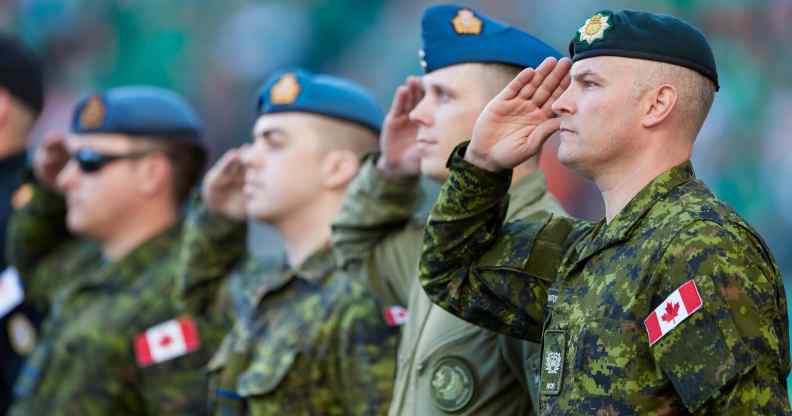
90	161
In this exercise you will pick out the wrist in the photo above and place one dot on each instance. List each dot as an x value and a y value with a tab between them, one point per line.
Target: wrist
481	160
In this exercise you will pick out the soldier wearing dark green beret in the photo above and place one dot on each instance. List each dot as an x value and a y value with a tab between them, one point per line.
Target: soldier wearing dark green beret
307	338
98	239
672	304
446	365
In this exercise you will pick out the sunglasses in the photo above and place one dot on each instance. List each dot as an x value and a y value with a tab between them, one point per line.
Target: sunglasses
91	161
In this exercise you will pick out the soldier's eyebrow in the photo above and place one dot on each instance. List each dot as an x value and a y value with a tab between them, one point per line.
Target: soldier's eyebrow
587	74
270	132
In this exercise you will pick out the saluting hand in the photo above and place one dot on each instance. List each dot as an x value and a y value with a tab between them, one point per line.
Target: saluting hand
49	158
515	124
398	139
222	186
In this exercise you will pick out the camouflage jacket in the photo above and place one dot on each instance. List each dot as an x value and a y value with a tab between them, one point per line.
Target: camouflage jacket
725	352
85	361
446	365
306	341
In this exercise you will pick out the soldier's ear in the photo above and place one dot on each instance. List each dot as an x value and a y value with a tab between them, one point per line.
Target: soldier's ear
338	168
155	174
660	103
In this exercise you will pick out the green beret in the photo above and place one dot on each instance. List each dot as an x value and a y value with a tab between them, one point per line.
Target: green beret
643	35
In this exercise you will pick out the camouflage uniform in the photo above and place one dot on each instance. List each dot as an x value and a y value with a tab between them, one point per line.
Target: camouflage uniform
84	363
375	237
602	280
306	341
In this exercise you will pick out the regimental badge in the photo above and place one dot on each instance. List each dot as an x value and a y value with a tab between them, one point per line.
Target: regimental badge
21	334
93	114
286	90
453	384
466	23
594	28
22	196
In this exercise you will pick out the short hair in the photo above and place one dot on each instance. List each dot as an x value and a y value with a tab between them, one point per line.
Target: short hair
695	92
497	76
188	162
345	135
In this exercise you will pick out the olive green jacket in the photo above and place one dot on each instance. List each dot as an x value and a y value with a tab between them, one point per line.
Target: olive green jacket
446	365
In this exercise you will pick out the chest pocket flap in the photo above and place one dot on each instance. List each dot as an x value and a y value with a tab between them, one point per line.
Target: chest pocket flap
272	360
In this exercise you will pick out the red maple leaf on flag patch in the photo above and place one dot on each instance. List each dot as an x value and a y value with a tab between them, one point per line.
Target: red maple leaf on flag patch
671	312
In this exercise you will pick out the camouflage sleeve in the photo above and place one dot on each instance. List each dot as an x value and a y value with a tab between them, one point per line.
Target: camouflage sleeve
372	235
731	354
211	246
36	229
493	275
366	358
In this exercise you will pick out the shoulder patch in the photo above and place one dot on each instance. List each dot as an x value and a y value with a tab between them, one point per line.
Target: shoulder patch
166	341
677	307
22	196
453	384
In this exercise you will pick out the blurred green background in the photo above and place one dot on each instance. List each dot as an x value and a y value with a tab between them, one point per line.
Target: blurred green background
217	53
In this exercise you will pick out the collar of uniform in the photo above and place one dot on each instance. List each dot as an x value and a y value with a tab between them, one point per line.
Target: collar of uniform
526	191
317	265
128	268
641	203
313	270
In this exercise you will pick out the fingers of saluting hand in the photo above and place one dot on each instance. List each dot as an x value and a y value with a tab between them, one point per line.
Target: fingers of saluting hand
516	85
556	94
549	75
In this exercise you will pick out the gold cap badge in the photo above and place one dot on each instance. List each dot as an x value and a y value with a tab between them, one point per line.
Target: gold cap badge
594	28
22	196
466	23
93	114
286	90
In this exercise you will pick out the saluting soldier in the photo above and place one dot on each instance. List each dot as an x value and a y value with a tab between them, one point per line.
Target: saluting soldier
446	365
308	340
99	240
672	304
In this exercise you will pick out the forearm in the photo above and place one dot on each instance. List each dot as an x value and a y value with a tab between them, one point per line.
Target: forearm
212	245
471	265
374	207
36	229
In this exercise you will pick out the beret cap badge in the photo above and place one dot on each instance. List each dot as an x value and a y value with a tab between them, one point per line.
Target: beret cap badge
594	28
285	91
93	114
466	23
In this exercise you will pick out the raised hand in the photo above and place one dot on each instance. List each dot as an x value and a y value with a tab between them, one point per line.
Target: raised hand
400	156
515	124
49	158
222	186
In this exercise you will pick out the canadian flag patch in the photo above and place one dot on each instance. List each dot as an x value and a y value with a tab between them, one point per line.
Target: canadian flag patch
677	307
166	341
395	315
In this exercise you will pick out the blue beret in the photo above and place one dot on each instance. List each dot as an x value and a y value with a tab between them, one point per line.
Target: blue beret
455	35
301	91
643	35
138	111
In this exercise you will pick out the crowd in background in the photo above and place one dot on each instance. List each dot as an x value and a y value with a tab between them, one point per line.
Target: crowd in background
217	52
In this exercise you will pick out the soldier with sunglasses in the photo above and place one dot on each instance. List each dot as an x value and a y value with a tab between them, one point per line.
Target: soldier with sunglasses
99	239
